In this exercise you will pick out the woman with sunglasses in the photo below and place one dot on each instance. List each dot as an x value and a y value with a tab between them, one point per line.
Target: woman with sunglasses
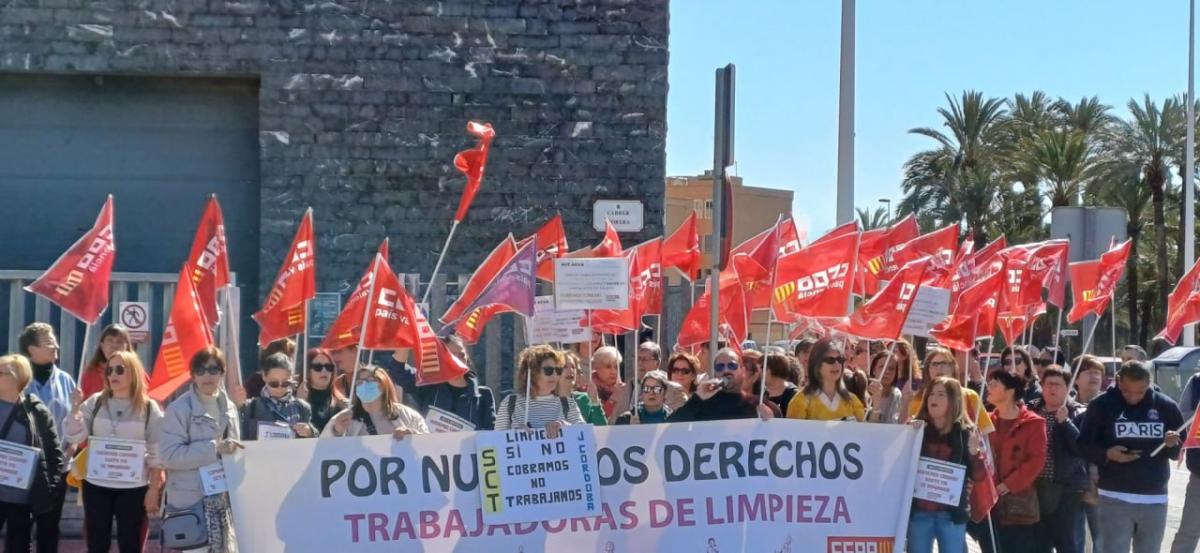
113	338
316	388
27	421
376	411
652	409
276	413
200	427
825	396
940	362
685	370
568	386
1016	360
535	401
124	411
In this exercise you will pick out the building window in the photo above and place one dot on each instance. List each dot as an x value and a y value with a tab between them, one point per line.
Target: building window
708	209
706	243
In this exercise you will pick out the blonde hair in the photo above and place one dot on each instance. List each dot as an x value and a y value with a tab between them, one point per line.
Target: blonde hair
956	410
138	397
21	368
609	352
531	359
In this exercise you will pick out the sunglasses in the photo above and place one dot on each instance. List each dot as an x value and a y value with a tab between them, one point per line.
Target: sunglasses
321	367
1041	362
722	367
1009	361
834	360
277	384
114	369
681	370
552	370
208	369
653	389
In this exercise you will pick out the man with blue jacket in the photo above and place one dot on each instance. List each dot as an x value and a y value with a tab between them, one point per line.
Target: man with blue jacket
1120	433
1188	534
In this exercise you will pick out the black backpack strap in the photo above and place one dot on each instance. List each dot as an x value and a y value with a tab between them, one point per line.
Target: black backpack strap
96	411
565	406
512	407
370	426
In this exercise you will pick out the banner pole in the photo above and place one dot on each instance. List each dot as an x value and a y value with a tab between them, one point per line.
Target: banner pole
437	267
770	318
1086	344
591	341
1058	328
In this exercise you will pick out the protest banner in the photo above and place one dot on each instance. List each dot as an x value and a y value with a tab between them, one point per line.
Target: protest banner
440	420
528	477
745	485
929	308
591	283
549	325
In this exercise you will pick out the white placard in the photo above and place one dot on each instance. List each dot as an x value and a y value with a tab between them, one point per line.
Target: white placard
135	315
591	283
441	420
212	479
528	477
625	215
16	464
929	308
550	325
274	431
939	481
116	460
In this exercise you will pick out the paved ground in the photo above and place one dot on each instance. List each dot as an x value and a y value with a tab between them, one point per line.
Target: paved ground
1179	480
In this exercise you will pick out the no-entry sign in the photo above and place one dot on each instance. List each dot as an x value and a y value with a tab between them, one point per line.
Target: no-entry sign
135	316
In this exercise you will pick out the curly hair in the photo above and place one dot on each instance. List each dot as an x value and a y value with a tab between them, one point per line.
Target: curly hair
530	360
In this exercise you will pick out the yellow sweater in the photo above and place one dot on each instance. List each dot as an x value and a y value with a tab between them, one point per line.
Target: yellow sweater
974	408
820	408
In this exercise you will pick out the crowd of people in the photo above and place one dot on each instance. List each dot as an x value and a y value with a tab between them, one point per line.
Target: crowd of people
1068	453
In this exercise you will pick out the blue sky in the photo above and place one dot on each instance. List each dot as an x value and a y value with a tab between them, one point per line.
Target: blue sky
909	53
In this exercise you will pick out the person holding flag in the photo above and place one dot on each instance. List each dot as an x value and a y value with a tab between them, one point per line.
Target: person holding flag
462	395
1121	433
535	401
375	410
1188	534
1019	446
113	338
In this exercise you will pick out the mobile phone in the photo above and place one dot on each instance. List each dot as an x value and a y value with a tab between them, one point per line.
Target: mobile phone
1134	452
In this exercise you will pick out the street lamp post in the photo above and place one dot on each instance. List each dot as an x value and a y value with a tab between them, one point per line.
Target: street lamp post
888	204
1189	169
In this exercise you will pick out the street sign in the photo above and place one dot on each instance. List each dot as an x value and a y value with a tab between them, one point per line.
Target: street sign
135	316
1069	332
323	311
625	215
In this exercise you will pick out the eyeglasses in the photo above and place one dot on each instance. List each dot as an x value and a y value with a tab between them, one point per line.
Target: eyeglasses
681	370
722	367
552	370
834	360
208	369
277	384
321	367
657	389
50	345
941	365
114	369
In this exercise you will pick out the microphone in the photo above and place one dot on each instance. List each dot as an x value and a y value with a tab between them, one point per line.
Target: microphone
724	381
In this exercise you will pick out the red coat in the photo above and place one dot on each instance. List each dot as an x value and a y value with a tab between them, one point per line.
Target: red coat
1019	447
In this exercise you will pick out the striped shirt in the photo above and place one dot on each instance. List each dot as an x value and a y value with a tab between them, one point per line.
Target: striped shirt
544	409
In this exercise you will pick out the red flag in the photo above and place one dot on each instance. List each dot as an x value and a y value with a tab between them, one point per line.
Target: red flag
681	250
883	316
389	321
983	491
484	274
733	312
842	230
345	330
946	280
1193	436
1014	320
78	280
552	244
763	251
510	290
209	260
940	245
874	248
283	314
1095	298
976	267
471	163
973	314
187	332
1032	267
816	281
449	367
610	245
1183	306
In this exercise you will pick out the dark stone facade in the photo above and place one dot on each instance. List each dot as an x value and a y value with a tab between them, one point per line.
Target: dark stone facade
363	104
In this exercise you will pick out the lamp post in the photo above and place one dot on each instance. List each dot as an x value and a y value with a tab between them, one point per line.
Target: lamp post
888	205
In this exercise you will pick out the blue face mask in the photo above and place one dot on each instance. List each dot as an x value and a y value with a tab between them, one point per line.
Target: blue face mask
368	391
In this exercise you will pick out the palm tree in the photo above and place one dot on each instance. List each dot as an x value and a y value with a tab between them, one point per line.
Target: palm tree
1089	116
1151	140
975	127
871	220
1063	159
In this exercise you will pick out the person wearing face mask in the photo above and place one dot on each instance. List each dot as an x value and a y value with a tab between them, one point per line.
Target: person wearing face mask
113	338
722	397
200	427
535	401
317	388
57	391
653	408
825	397
123	410
276	412
375	410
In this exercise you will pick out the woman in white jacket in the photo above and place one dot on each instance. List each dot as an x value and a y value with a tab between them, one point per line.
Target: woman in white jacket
122	411
375	410
198	428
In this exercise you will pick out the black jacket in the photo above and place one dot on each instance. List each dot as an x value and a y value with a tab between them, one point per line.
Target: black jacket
1070	467
1109	421
48	474
724	405
259	409
477	405
1191	396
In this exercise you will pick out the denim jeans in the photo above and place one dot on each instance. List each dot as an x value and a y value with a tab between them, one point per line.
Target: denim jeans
1123	523
925	528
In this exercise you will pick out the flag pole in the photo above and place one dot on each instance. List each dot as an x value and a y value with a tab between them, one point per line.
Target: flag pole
231	327
304	345
362	330
438	266
1058	328
83	357
1086	344
1112	323
1183	427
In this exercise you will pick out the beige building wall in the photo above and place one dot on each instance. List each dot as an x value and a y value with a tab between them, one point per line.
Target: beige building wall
755	210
